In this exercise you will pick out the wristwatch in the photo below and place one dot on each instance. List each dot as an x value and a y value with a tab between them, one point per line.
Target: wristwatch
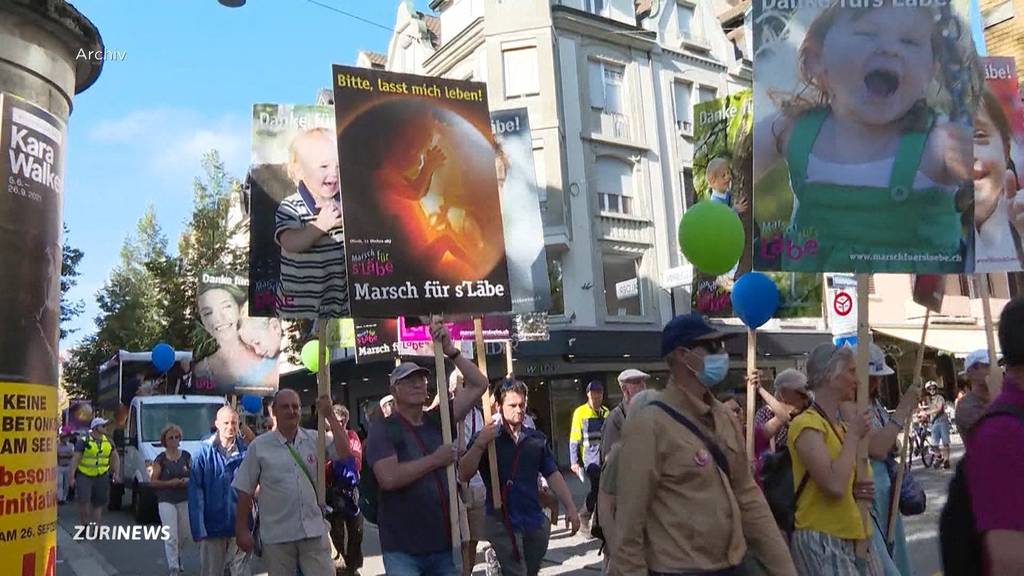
455	355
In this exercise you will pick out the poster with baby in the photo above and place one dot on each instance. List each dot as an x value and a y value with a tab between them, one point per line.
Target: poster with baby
296	241
422	215
721	174
998	152
862	140
233	353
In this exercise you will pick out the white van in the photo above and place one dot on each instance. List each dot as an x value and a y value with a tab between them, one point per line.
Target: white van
147	416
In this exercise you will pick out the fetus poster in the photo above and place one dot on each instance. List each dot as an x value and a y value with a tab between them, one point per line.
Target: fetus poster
422	215
862	141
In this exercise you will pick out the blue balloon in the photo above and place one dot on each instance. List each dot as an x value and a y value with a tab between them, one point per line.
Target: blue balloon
252	404
755	298
163	357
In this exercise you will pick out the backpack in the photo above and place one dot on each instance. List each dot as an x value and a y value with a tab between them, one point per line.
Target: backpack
777	480
958	534
369	488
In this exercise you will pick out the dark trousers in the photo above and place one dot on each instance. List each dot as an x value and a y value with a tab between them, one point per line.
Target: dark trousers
723	572
594	475
347	537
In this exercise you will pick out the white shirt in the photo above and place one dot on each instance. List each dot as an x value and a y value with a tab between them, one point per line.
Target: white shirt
471	424
287	500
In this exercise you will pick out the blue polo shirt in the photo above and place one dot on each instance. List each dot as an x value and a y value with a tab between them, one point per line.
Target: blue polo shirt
535	457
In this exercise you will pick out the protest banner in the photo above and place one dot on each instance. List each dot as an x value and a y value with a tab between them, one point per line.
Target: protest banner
495	329
721	173
423	223
862	162
929	290
528	280
376	340
296	270
239	353
998	148
32	144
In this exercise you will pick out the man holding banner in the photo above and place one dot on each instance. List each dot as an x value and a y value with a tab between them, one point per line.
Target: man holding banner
409	457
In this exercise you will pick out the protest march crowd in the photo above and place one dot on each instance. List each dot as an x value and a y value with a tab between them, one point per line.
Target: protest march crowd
672	488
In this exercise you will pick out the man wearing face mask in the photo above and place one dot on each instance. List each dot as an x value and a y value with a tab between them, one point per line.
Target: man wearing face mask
689	473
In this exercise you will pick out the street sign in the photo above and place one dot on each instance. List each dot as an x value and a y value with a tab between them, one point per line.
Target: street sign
842	304
676	277
627	289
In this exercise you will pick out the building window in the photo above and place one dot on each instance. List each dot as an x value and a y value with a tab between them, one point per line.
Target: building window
540	171
607	94
684	107
595	6
687	22
555	279
614	185
689	192
520	72
622	287
706	94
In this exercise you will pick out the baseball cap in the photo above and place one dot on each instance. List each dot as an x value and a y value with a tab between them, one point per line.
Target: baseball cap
685	329
405	369
386	399
975	357
96	422
876	362
931	384
595	385
632	374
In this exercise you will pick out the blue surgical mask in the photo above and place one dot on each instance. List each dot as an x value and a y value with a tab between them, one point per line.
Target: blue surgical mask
716	366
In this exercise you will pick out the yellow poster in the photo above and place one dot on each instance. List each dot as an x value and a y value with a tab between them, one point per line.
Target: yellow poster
28	479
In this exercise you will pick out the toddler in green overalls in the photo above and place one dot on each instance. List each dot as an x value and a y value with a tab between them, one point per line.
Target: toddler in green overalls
873	168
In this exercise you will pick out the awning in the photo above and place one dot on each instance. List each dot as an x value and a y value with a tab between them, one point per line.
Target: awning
957	340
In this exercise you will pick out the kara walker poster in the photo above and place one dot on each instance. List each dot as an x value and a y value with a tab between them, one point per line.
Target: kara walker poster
423	223
296	243
862	148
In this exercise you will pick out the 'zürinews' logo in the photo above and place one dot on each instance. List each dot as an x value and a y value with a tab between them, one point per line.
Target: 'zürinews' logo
131	533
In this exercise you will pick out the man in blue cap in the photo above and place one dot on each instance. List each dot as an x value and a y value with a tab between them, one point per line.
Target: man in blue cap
689	503
585	444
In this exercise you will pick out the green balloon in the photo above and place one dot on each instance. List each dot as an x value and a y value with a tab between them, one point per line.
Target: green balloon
309	356
711	237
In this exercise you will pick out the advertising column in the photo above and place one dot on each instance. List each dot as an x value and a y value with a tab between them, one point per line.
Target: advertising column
39	76
32	168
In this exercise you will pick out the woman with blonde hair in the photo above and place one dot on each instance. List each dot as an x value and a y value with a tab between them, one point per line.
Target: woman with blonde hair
823	441
169	479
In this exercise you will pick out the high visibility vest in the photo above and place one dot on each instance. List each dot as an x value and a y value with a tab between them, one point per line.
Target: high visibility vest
96	457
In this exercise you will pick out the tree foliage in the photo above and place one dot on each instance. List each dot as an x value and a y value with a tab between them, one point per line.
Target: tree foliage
150	296
69	309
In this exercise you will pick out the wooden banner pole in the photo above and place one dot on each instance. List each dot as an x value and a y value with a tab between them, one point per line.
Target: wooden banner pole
492	456
995	373
901	470
446	438
751	389
323	386
508	359
863	351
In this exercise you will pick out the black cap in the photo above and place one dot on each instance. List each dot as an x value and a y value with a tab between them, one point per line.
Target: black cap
684	330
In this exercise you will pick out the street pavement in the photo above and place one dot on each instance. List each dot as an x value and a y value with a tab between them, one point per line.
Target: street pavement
570	555
566	554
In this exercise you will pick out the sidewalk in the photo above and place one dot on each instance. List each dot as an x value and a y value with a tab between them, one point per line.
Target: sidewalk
566	554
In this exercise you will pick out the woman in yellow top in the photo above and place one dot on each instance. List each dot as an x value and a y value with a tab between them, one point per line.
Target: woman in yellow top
824	450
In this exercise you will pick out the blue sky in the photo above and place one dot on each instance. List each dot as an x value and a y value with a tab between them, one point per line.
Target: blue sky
191	71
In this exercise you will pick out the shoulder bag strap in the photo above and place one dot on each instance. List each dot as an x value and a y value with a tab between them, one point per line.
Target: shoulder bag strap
716	452
298	460
438	485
